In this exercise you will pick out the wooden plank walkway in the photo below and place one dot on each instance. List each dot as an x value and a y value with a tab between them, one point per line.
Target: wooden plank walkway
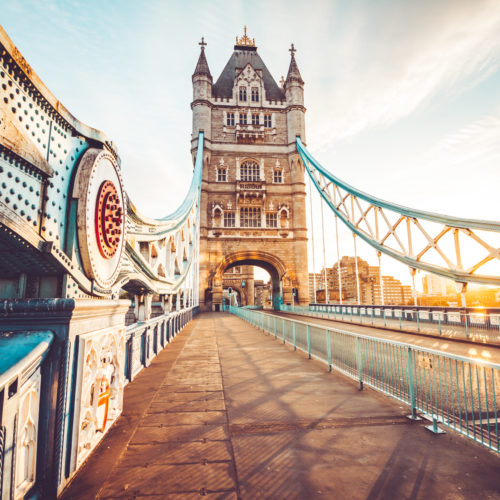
227	412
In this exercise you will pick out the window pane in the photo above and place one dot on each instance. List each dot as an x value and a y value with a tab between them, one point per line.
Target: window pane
229	219
243	93
255	119
221	175
249	171
272	219
250	217
278	176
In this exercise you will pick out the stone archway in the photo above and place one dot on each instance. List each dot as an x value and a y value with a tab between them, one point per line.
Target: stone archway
281	281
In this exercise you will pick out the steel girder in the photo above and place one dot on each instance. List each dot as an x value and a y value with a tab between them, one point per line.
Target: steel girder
463	250
52	167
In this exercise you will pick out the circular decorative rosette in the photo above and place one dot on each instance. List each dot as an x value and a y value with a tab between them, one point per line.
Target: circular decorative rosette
108	219
100	216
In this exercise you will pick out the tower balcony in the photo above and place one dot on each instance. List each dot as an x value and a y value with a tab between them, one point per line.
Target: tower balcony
250	189
250	134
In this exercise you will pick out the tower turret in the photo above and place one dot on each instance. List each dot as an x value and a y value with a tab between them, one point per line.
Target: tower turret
294	91
202	92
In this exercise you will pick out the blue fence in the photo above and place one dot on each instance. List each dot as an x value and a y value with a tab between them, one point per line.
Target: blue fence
482	326
455	391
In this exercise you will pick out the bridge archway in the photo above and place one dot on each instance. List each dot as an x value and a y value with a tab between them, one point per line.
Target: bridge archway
281	282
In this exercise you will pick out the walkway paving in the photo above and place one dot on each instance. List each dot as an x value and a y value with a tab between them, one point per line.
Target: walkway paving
228	412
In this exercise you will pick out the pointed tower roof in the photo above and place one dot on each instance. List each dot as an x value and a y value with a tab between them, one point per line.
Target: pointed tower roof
293	70
245	52
202	65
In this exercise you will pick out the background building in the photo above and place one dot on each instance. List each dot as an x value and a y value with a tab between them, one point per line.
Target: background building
370	286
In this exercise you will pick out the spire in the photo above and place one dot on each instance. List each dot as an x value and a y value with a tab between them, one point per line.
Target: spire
202	66
293	70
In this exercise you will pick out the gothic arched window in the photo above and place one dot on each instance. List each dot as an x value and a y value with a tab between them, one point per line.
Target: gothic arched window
249	171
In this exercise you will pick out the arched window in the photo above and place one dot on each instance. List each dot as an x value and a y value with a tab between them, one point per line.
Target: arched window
249	171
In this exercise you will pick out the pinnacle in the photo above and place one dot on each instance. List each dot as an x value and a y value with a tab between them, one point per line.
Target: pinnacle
202	65
293	70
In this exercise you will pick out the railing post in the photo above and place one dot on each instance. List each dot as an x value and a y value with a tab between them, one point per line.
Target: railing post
411	383
294	337
466	327
385	318
309	341
400	319
275	331
360	361
329	350
440	329
283	330
418	321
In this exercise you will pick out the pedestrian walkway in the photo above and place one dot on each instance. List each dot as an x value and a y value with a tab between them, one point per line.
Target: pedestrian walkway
229	412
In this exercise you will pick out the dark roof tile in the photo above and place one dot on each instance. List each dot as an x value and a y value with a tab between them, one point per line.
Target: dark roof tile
202	66
239	59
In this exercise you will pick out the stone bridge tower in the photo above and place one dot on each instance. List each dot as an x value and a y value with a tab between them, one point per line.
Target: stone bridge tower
253	193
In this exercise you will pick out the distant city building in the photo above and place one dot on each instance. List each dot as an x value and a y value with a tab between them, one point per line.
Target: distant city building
370	289
316	282
263	293
433	284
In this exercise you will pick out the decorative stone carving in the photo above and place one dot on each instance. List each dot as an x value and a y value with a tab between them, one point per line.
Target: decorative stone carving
27	435
100	383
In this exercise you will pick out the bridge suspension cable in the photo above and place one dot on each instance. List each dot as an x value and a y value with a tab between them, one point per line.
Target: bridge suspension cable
463	250
312	241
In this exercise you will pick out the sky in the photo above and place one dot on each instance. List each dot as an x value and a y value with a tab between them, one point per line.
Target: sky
402	98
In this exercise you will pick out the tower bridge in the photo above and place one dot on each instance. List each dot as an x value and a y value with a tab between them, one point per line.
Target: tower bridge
77	258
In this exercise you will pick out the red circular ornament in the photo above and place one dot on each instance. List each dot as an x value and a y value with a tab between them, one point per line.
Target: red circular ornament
108	219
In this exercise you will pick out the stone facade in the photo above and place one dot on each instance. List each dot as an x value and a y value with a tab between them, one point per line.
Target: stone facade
253	193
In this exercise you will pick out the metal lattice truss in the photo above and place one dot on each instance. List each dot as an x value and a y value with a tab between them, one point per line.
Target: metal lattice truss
161	255
463	250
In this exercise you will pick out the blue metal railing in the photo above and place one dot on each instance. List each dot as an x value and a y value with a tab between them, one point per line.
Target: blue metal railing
455	391
462	324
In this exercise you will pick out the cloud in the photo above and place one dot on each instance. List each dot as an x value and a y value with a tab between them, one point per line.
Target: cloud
394	58
473	144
